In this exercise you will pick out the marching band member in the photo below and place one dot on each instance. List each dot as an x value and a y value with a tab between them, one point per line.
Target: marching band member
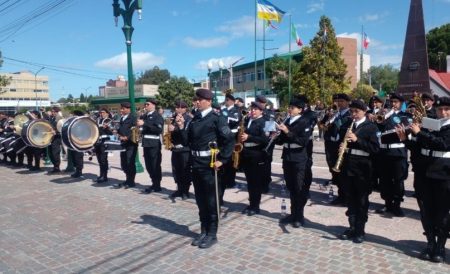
77	156
127	157
105	131
54	150
181	169
428	100
253	156
152	125
268	115
34	153
207	127
362	142
294	137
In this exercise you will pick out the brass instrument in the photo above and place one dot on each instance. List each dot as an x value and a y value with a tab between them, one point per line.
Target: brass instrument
239	144
420	112
333	114
281	119
167	136
136	131
343	149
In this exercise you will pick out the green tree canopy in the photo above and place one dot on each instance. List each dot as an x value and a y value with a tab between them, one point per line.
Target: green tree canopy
82	98
383	77
322	71
438	40
70	98
155	76
277	69
175	89
363	92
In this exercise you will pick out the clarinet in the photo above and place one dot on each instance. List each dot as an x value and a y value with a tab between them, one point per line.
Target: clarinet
273	138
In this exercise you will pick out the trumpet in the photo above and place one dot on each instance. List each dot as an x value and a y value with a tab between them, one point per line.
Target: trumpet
167	136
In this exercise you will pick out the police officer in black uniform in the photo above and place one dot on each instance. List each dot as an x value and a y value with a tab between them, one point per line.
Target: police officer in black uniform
205	128
393	159
181	168
252	156
104	123
54	150
268	115
77	156
295	136
152	125
362	141
127	157
376	109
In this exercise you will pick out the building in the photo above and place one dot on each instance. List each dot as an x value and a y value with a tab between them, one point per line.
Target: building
440	81
352	58
25	91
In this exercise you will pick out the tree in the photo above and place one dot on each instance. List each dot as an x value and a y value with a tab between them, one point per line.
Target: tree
174	89
4	80
154	76
363	92
322	71
62	100
277	70
383	77
438	42
82	98
70	99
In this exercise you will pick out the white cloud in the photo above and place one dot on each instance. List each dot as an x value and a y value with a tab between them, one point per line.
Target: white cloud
244	26
206	42
227	60
141	61
373	17
316	6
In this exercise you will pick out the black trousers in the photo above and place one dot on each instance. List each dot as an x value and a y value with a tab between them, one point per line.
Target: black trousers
266	176
33	154
294	175
331	154
253	170
394	171
77	159
228	175
102	158
55	151
205	195
153	157
181	170
435	195
356	191
128	164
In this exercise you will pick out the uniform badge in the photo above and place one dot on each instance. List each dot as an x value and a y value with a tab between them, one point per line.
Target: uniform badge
225	113
378	134
397	120
410	120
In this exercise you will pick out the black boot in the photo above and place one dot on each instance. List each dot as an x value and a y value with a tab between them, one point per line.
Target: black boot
359	232
427	253
397	210
76	174
199	238
439	252
349	233
386	208
211	237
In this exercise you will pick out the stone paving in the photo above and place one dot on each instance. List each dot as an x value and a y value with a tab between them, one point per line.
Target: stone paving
56	224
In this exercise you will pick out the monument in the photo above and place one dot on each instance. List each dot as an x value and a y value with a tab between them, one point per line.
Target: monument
414	75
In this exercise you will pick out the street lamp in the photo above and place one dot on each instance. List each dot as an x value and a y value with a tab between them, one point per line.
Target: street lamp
210	67
35	86
127	14
230	69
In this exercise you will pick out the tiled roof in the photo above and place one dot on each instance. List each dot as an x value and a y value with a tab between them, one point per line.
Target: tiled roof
442	78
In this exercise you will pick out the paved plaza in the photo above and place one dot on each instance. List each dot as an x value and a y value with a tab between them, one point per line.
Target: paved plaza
56	224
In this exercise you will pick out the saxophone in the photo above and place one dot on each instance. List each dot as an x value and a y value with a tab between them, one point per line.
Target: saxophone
167	137
136	131
343	149
239	144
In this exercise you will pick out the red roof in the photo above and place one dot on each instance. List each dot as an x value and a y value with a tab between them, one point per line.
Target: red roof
442	78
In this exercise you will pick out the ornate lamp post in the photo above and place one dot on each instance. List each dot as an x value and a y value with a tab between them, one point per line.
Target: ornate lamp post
210	67
127	14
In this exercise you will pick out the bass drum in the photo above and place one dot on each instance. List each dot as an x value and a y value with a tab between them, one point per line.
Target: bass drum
37	133
79	133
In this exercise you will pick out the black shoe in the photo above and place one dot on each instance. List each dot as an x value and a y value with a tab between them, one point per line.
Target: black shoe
296	224
384	209
101	180
426	254
286	220
185	196
76	174
398	212
156	188
337	201
199	239
129	185
55	170
347	235
207	241
117	186
147	190
252	211
358	239
176	194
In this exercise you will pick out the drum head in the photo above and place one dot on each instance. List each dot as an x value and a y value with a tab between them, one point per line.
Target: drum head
37	133
80	133
60	124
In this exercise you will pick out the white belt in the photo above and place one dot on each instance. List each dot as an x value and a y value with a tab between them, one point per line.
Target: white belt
358	152
250	144
203	153
178	146
292	146
105	136
234	130
397	145
151	136
437	154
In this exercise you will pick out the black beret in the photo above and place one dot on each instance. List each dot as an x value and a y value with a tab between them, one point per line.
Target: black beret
257	105
125	105
203	93
261	99
358	104
442	101
56	109
397	96
240	99
376	98
229	97
297	103
152	100
426	96
78	112
36	113
105	110
303	98
343	96
180	104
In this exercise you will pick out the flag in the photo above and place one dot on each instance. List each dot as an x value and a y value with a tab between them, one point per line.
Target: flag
295	36
268	11
366	41
269	24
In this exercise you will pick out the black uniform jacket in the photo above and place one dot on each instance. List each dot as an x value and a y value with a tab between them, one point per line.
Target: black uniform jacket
125	128
152	129
104	131
233	118
295	141
54	124
203	130
388	125
367	141
256	135
333	129
177	136
439	141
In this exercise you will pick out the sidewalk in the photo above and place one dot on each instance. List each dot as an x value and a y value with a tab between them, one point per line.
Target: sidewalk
56	224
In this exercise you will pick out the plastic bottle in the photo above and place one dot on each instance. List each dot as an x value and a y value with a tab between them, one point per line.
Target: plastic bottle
283	207
331	194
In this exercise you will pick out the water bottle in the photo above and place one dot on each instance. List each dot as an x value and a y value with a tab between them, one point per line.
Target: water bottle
283	207
331	194
283	189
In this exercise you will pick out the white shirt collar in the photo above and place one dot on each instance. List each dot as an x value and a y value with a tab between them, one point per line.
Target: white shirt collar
124	117
150	112
293	119
343	111
230	107
206	111
357	123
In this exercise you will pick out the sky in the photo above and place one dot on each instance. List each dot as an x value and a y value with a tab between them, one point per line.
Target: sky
79	48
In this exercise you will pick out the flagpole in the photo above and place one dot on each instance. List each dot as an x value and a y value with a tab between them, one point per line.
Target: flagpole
256	15
290	58
361	58
264	55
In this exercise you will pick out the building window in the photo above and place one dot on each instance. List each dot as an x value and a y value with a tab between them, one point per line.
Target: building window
260	75
252	77
12	89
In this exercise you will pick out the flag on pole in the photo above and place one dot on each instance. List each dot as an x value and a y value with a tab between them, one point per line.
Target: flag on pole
269	24
295	36
366	41
268	11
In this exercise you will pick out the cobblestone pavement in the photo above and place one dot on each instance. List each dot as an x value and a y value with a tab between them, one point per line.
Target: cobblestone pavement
55	224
